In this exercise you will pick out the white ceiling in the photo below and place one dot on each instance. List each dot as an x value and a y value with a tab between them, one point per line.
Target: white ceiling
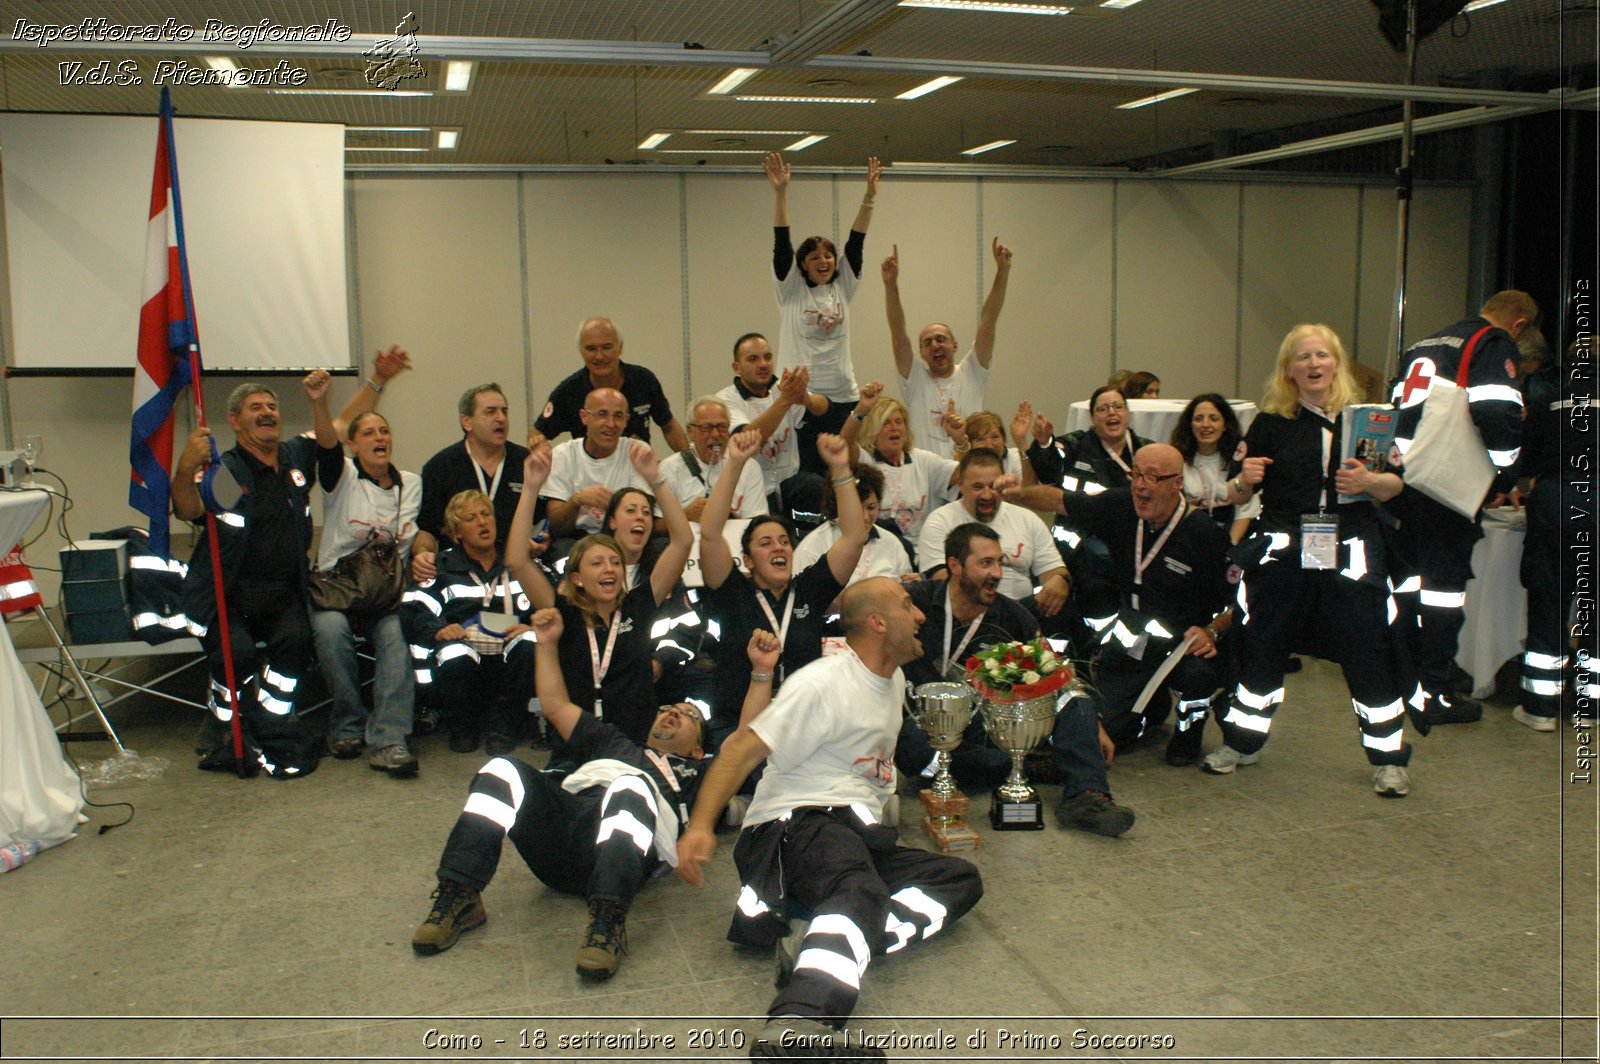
583	82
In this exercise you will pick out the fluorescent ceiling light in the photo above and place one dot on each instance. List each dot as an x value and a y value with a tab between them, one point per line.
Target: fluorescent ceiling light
928	86
805	142
1118	3
991	146
388	129
734	79
227	67
749	132
713	151
806	99
1479	5
448	138
1157	98
396	93
457	75
354	148
654	140
991	6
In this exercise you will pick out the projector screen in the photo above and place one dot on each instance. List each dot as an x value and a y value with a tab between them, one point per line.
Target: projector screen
263	214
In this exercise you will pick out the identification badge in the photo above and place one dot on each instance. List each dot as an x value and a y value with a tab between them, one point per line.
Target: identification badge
1319	541
1140	645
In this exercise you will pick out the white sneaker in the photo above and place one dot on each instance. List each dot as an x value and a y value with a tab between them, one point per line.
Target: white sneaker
1391	781
733	816
1533	720
1224	759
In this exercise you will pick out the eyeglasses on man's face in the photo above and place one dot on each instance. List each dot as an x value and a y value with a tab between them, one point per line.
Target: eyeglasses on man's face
1141	476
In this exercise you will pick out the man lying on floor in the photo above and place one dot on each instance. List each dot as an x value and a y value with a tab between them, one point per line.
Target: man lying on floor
599	832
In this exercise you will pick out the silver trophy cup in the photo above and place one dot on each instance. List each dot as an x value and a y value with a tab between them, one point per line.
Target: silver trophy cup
943	710
1016	728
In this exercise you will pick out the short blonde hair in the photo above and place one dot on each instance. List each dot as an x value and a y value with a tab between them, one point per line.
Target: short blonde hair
1283	398
458	505
880	413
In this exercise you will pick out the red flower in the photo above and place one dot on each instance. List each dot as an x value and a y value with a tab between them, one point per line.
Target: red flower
973	663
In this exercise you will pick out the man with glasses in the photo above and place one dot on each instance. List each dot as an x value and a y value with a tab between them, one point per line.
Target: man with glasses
584	472
692	472
934	382
1171	570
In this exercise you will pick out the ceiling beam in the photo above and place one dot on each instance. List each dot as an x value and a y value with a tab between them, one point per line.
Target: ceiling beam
840	22
1390	131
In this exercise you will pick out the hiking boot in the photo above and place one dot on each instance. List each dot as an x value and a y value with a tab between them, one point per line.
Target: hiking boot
1391	781
1224	759
463	742
497	745
808	1039
456	908
1096	812
346	749
1451	709
396	760
1536	721
606	941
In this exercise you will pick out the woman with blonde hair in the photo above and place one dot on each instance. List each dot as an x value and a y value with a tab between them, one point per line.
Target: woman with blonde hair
1314	568
915	482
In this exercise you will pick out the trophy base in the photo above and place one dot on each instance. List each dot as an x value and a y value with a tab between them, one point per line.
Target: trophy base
945	823
1007	814
953	836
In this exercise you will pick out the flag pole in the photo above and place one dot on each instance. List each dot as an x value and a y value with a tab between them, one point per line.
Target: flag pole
196	392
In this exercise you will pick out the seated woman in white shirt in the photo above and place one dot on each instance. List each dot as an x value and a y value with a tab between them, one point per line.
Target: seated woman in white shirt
883	554
984	429
915	482
1209	438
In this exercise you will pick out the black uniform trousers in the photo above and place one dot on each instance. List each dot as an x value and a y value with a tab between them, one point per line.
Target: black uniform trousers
1331	616
1121	678
1436	544
271	649
1550	575
598	844
868	895
484	692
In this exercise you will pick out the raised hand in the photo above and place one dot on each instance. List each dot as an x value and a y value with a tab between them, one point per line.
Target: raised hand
644	460
764	650
316	384
835	453
536	467
547	625
777	171
1021	423
891	267
954	424
1043	431
741	445
391	363
874	171
1002	254
870	393
792	385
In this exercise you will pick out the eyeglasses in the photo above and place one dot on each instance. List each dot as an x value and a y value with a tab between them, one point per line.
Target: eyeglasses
1139	476
1106	408
711	426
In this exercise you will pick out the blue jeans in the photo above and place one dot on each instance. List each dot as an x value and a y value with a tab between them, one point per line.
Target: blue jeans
393	686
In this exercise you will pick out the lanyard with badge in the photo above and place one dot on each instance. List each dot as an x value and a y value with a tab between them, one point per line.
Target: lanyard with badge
1116	456
602	665
949	621
1319	532
780	630
488	487
665	768
1143	560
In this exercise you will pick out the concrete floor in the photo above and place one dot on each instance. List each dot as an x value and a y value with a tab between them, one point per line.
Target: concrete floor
1283	912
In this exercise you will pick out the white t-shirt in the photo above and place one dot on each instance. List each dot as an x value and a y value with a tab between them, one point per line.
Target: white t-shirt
882	556
914	488
572	470
925	398
815	330
749	497
1205	485
832	730
1026	545
356	505
779	455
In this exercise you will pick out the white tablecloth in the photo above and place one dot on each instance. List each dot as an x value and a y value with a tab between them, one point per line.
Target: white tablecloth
38	790
1153	418
1497	605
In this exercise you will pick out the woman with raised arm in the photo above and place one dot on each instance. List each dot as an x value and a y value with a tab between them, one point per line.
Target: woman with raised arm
1314	568
773	596
814	292
916	482
605	643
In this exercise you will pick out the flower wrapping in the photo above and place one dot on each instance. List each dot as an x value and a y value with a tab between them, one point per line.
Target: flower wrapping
1017	671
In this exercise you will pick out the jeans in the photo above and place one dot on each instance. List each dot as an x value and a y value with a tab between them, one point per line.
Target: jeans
393	686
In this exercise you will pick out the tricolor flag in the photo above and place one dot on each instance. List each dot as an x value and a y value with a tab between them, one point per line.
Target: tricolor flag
165	336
